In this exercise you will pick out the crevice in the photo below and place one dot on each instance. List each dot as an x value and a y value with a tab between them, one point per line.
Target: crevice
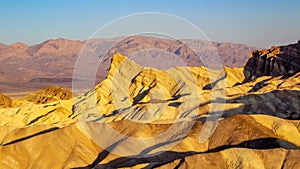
39	117
31	136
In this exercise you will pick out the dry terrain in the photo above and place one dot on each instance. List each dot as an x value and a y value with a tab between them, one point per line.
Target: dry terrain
180	117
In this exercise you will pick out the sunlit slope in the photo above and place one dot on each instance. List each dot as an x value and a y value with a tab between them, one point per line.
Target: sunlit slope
241	140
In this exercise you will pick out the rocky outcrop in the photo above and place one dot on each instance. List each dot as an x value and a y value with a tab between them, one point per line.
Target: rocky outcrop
282	60
49	94
5	101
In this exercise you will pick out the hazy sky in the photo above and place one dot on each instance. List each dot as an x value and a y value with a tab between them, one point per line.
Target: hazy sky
261	23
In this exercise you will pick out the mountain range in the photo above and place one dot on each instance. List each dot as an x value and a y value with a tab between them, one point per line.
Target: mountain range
27	68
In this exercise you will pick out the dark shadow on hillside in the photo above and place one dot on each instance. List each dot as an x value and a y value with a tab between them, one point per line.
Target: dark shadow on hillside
249	107
259	85
279	103
169	156
210	86
288	75
31	136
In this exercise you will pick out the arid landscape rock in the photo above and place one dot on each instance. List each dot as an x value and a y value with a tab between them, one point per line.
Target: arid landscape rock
49	94
198	117
4	101
282	60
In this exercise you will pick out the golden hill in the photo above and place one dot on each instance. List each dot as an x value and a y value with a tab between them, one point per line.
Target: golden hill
256	121
187	93
49	94
239	141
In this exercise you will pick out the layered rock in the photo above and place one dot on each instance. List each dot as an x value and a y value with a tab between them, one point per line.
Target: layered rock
282	60
130	87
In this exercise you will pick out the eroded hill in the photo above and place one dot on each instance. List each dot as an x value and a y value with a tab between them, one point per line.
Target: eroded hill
197	117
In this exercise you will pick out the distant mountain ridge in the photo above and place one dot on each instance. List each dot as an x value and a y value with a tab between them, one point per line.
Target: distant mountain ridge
56	58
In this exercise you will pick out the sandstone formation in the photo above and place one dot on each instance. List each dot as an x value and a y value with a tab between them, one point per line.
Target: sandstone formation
257	121
169	89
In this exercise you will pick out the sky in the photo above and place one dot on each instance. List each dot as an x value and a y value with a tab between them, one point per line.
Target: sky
261	23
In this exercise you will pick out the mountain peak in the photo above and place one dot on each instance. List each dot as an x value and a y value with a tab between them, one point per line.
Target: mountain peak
121	63
57	47
59	41
19	45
